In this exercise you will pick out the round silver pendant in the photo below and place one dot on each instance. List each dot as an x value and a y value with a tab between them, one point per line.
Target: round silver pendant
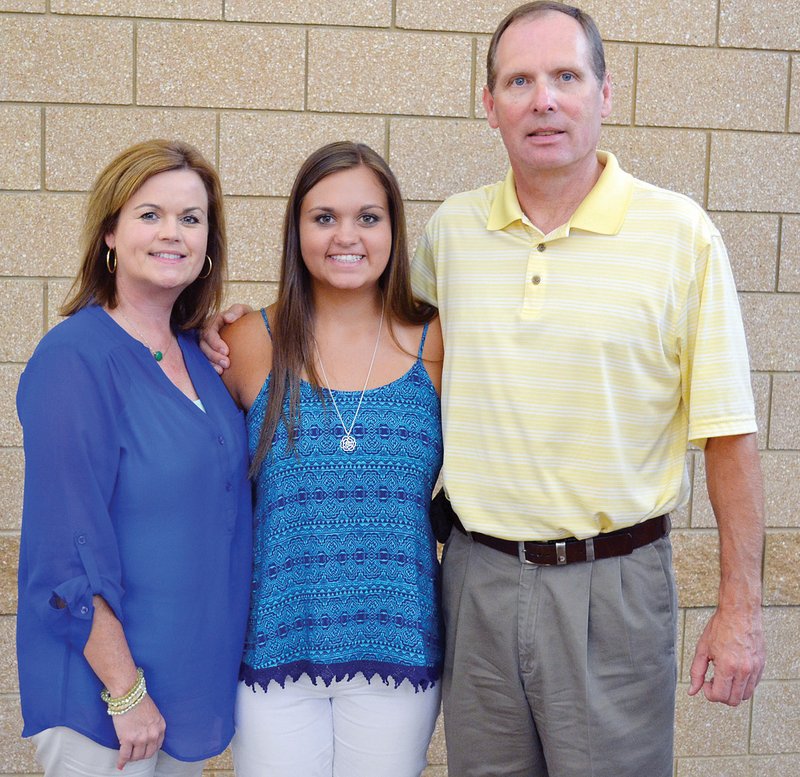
348	443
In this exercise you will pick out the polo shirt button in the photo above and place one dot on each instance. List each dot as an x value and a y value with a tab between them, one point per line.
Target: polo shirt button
221	440
540	247
229	486
536	280
84	610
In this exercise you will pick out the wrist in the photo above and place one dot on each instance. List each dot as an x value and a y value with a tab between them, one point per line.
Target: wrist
119	705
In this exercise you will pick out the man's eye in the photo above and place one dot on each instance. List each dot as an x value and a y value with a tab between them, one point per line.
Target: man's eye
518	81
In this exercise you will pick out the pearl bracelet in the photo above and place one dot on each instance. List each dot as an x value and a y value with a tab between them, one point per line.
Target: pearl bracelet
121	704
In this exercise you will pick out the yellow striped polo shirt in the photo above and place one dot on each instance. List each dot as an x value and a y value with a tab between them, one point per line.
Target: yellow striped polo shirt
579	364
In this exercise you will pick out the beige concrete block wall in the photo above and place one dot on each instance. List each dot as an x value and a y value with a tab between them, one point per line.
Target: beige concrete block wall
707	102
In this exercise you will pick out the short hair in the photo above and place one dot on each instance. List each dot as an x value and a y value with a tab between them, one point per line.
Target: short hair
537	8
115	185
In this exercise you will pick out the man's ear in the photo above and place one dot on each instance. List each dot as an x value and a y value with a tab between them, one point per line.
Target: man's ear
488	106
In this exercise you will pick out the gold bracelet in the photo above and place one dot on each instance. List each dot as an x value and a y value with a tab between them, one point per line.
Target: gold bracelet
119	704
121	710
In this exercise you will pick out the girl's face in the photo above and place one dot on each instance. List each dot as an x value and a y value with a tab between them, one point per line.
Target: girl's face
346	230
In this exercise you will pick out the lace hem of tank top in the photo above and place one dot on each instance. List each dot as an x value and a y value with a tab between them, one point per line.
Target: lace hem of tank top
420	677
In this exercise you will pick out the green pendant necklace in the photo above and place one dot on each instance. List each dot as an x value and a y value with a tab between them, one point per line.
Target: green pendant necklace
157	355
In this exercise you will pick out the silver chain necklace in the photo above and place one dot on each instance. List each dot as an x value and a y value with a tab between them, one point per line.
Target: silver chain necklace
348	442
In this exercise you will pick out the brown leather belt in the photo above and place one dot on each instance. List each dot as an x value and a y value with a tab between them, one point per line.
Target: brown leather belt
567	551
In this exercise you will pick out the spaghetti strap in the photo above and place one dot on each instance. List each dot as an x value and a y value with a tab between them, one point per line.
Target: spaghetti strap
266	323
422	341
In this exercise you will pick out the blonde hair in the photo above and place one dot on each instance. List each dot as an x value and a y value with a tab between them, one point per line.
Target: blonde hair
115	185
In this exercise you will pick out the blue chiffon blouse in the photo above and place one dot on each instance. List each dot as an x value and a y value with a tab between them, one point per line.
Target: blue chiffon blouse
135	494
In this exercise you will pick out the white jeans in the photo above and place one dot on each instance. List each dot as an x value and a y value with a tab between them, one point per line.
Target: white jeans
63	752
347	729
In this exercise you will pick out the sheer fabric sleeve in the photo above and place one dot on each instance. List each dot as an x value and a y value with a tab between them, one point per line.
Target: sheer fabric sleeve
68	551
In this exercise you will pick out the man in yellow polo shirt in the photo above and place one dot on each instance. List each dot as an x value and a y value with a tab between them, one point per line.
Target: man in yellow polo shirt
591	331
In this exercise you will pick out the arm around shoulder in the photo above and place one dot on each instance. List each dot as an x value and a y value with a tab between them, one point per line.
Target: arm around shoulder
250	353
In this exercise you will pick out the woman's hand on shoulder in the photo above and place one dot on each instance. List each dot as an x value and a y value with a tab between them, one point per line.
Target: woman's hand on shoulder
211	344
140	732
249	349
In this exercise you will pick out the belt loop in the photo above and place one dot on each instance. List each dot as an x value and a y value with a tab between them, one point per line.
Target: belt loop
561	553
589	549
523	559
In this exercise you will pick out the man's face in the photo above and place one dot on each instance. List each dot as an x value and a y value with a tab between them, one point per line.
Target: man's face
547	101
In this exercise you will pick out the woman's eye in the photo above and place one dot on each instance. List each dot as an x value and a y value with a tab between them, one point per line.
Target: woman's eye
191	220
149	216
324	218
369	218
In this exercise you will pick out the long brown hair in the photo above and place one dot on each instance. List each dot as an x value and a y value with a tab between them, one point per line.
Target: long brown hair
292	342
115	185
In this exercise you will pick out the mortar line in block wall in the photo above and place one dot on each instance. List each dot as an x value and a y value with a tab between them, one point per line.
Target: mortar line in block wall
789	77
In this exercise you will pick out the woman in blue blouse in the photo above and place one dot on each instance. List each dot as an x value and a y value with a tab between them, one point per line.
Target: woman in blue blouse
136	531
340	378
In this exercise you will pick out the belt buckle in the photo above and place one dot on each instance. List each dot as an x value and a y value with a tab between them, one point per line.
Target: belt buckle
523	556
561	554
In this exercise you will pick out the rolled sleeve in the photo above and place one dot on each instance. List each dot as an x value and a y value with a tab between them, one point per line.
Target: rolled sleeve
69	552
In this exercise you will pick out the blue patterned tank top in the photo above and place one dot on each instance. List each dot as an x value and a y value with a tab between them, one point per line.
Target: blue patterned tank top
345	576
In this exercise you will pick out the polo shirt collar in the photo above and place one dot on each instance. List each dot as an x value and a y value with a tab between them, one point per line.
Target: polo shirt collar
602	210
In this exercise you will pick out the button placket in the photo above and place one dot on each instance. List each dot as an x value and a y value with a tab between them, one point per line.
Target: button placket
535	278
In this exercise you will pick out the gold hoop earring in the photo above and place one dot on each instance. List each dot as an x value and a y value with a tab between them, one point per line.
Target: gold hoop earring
109	257
210	266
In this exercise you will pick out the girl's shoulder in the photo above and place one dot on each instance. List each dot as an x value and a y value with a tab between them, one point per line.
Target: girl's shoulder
250	352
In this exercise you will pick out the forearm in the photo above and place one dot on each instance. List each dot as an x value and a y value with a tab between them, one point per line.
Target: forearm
107	650
735	488
141	728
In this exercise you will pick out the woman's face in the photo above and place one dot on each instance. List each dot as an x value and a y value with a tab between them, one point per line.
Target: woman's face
346	230
161	235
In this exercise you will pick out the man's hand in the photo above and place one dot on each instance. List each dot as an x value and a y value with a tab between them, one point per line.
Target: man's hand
734	643
140	732
212	345
733	640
